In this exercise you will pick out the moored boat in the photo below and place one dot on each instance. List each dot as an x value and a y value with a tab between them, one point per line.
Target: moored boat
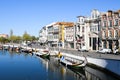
73	64
47	55
43	54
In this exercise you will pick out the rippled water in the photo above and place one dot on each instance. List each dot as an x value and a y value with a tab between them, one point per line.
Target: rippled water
22	66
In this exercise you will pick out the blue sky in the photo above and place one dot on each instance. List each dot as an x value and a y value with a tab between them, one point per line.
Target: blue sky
32	15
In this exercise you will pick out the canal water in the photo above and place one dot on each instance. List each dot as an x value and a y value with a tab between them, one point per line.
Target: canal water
23	66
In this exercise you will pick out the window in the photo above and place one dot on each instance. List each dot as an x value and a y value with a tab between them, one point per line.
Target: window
104	34
104	24
78	28
110	34
81	20
105	44
82	29
90	41
110	23
116	22
95	15
71	29
116	34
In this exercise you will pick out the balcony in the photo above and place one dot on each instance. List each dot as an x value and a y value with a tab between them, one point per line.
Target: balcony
104	37
116	26
116	37
110	38
104	27
79	41
109	27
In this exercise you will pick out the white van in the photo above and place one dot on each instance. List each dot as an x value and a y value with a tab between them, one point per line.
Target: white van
104	50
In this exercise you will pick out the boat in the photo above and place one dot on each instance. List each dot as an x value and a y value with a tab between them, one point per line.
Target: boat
43	54
68	62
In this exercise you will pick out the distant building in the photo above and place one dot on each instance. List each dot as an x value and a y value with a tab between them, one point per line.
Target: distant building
51	39
43	36
55	34
4	35
62	26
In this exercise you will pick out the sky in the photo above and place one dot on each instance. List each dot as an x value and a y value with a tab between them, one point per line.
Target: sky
32	15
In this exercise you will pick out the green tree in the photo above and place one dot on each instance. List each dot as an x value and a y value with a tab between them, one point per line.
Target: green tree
33	38
4	40
13	38
26	37
18	39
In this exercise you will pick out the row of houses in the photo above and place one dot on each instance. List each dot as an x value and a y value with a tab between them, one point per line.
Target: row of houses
99	30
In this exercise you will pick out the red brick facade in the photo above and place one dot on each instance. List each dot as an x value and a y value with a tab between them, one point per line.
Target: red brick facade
110	28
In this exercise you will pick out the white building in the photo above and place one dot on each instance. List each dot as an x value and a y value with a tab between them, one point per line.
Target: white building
94	24
50	36
81	33
87	31
43	35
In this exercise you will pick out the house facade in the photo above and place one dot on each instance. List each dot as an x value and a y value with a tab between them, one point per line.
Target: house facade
81	32
43	36
69	36
110	31
61	36
50	36
93	22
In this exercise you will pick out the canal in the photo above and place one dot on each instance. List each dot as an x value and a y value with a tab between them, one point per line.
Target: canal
23	66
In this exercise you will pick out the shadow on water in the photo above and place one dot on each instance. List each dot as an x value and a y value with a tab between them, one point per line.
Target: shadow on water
95	74
89	73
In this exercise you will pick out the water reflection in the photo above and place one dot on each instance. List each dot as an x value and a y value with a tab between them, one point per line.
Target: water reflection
94	74
86	73
22	66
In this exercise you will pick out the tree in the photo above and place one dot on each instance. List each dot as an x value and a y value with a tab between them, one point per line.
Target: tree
3	40
18	39
26	37
12	38
33	38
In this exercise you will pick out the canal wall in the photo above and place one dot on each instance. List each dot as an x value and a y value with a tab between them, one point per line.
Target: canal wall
108	64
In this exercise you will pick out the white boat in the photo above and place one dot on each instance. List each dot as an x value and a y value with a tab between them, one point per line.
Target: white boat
72	64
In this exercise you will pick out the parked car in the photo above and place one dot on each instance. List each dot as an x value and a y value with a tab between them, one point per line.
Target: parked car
104	50
116	51
83	49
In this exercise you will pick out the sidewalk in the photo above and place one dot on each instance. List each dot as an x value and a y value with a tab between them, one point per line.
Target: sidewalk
78	53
